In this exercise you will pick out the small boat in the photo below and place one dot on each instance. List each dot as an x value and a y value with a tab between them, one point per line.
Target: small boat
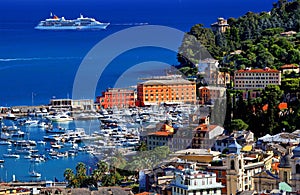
33	173
27	157
41	142
56	146
10	116
54	137
18	134
5	142
60	118
56	130
11	156
31	123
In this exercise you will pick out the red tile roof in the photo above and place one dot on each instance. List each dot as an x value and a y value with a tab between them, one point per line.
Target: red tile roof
161	133
289	66
281	106
258	71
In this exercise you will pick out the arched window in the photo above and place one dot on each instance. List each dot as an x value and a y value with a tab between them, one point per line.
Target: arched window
297	169
232	165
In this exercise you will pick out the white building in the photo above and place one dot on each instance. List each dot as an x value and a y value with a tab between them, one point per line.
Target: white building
251	79
191	182
82	104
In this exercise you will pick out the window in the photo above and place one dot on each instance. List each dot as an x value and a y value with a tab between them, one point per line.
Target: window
232	165
285	176
297	169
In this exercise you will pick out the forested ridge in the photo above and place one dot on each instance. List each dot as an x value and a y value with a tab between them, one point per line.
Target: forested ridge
255	40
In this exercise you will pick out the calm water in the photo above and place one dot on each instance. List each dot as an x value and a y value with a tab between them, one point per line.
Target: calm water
44	63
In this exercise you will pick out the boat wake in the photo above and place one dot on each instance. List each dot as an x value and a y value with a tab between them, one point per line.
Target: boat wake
131	24
37	59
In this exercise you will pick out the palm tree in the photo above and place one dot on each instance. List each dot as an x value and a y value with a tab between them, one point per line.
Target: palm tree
81	173
97	176
102	166
69	176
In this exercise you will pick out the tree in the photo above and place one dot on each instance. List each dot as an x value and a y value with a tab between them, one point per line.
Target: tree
142	146
69	176
272	96
238	125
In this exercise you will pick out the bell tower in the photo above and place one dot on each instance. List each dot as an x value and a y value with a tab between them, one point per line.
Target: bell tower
235	169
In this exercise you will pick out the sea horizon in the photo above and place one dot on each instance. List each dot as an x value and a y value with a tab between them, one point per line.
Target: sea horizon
39	65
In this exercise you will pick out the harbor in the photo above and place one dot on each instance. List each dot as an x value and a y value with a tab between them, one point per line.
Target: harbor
36	144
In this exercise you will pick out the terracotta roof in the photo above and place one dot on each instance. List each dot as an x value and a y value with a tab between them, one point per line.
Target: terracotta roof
289	66
161	133
146	193
265	107
258	71
281	106
180	167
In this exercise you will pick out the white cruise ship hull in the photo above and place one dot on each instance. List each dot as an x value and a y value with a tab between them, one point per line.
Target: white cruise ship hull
91	27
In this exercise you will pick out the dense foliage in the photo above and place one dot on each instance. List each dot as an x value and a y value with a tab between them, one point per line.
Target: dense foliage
263	114
255	40
117	169
256	36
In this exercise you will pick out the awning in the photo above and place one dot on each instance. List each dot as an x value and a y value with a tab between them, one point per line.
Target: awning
247	148
285	187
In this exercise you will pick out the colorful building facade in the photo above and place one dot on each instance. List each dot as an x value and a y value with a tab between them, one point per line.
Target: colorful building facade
119	98
167	90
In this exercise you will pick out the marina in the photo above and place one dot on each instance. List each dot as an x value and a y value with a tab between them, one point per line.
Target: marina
62	145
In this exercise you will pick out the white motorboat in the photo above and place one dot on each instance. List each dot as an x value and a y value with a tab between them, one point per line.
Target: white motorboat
60	118
11	156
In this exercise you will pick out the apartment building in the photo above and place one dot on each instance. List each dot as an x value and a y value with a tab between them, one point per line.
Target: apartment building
251	79
166	90
209	94
190	182
115	97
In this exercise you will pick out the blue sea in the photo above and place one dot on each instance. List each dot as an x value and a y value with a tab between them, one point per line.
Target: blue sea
36	66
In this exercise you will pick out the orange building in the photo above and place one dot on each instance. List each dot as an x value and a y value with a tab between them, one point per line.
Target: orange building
168	90
120	98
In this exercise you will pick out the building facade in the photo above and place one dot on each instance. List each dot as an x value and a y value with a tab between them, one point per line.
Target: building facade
119	98
166	90
191	182
220	26
251	79
205	136
212	75
81	104
209	94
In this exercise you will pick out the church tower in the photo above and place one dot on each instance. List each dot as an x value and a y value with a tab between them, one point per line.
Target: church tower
285	168
235	169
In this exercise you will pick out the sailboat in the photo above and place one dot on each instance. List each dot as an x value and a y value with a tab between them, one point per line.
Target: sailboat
33	173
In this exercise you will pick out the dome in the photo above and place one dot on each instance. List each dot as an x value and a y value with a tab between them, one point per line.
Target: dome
285	161
234	147
296	151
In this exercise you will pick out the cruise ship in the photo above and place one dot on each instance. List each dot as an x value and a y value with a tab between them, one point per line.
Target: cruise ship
81	23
